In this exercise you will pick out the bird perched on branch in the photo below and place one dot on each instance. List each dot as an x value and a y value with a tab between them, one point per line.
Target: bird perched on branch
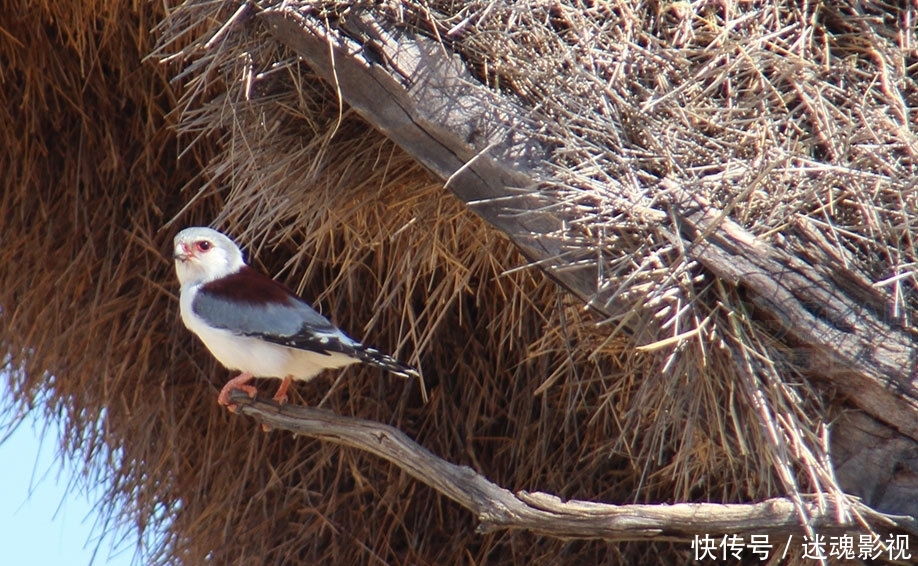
256	325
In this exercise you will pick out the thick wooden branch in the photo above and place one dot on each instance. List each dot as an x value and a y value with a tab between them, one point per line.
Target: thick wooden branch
545	514
837	323
427	102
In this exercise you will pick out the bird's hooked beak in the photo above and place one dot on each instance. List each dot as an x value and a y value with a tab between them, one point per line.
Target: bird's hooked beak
182	252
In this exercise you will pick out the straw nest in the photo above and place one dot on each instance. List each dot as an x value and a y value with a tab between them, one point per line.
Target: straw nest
771	112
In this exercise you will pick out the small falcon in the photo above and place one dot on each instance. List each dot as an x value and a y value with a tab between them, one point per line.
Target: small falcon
256	325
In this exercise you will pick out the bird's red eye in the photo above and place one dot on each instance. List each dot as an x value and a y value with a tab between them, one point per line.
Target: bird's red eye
203	245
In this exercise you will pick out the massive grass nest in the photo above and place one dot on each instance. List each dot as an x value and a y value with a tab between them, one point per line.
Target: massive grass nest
772	112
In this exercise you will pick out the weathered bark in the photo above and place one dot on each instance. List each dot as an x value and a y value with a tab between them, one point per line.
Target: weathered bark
874	462
485	148
835	319
545	514
461	131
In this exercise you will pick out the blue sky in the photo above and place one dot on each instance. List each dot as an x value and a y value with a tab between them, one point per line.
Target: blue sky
41	524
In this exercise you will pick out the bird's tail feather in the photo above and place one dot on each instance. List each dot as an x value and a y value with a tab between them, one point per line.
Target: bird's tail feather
376	358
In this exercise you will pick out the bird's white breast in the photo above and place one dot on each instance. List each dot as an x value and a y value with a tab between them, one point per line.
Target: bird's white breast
254	355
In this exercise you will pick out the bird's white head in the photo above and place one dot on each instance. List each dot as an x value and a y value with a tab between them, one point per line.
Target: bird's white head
203	255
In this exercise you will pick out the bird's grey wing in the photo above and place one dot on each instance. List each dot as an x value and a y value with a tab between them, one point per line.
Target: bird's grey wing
248	303
251	304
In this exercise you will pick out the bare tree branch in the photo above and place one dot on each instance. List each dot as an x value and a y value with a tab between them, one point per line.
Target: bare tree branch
499	508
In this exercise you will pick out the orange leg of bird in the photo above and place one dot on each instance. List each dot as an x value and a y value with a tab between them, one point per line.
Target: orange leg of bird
281	395
239	382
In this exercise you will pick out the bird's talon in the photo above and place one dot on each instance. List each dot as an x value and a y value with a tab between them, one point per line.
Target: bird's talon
224	397
239	382
281	396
